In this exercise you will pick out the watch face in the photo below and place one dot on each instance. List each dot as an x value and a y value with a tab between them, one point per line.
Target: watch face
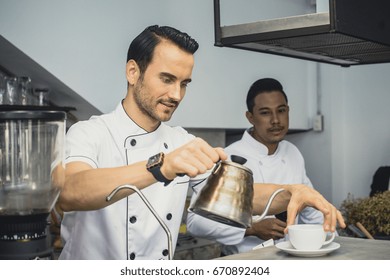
155	160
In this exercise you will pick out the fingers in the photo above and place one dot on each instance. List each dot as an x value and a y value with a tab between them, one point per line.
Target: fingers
194	158
221	153
292	213
268	228
280	223
302	196
279	227
340	220
332	219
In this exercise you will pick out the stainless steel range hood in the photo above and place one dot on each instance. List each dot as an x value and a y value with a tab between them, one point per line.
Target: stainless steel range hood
354	32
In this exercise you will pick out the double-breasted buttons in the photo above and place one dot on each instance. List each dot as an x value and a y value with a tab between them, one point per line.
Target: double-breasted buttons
169	216
166	145
132	256
133	219
133	142
165	252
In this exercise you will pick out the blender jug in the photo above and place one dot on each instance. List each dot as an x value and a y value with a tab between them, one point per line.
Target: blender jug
31	176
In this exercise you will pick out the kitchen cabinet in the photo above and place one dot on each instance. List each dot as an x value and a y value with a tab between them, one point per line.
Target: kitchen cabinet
13	62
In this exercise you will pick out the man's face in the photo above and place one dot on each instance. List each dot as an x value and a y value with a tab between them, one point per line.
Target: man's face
159	91
270	119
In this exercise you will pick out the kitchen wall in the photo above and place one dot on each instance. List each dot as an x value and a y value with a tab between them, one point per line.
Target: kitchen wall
84	44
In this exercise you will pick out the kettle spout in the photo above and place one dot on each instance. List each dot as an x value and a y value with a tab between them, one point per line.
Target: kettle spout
265	212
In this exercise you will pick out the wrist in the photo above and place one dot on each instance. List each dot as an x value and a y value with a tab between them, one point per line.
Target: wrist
249	231
165	173
289	188
154	165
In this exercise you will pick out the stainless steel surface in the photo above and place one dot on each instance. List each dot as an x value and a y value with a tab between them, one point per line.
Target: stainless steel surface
279	24
350	249
227	196
343	36
150	207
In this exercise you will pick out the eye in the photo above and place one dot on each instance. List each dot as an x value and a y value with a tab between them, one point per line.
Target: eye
282	110
184	85
166	80
264	113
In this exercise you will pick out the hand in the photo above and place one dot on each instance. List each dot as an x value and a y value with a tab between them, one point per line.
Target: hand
192	159
267	229
302	196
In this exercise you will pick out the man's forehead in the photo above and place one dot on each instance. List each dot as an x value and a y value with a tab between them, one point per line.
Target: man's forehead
270	96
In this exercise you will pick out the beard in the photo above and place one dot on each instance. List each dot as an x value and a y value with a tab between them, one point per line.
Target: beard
148	106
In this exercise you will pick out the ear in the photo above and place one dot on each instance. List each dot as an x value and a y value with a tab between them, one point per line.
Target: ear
249	116
132	72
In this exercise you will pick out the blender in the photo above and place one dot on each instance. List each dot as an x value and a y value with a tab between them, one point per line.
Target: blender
31	177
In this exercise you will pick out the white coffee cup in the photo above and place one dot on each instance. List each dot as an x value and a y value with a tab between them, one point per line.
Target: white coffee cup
309	236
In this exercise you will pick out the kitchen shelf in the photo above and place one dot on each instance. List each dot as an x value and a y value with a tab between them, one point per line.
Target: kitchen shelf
15	63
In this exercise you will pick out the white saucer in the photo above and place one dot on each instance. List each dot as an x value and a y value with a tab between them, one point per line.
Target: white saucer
287	247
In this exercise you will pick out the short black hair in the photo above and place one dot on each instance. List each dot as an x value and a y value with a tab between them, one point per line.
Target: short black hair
142	47
261	86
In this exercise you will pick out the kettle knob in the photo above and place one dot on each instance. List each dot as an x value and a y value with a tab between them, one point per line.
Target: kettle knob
238	159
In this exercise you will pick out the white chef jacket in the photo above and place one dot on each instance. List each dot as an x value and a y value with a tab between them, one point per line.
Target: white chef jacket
285	166
125	229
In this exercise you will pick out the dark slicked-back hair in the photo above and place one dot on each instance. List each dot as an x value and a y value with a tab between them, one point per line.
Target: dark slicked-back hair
262	86
142	47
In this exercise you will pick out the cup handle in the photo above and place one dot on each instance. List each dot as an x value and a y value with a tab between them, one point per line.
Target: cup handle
330	239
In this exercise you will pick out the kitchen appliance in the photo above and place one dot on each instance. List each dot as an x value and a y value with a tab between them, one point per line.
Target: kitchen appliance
151	209
228	194
31	176
353	32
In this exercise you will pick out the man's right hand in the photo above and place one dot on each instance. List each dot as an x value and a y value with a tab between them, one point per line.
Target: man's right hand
267	229
192	159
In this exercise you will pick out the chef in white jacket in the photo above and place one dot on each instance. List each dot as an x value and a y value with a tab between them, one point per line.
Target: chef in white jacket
271	159
132	146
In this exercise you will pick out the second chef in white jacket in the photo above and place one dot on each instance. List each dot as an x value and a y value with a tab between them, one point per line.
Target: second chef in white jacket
271	159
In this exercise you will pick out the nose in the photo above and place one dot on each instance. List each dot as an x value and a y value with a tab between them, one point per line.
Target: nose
176	92
275	118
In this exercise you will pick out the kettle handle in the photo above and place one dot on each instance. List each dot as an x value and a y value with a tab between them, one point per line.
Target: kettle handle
238	159
215	170
216	167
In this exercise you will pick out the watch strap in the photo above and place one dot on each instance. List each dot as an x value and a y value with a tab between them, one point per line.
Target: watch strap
159	176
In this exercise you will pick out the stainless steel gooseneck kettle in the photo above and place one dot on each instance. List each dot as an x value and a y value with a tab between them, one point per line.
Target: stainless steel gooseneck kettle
227	196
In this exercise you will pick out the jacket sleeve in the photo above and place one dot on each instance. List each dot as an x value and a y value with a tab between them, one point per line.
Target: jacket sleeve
203	227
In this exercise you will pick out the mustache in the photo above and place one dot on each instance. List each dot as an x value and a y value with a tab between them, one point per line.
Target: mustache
170	101
276	127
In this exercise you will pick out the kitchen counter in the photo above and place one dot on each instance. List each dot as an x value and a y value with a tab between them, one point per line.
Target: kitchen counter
350	249
194	248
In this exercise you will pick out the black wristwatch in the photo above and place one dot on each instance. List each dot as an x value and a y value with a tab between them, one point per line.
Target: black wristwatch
154	164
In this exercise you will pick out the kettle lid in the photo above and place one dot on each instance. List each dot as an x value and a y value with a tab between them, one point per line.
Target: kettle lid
238	165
